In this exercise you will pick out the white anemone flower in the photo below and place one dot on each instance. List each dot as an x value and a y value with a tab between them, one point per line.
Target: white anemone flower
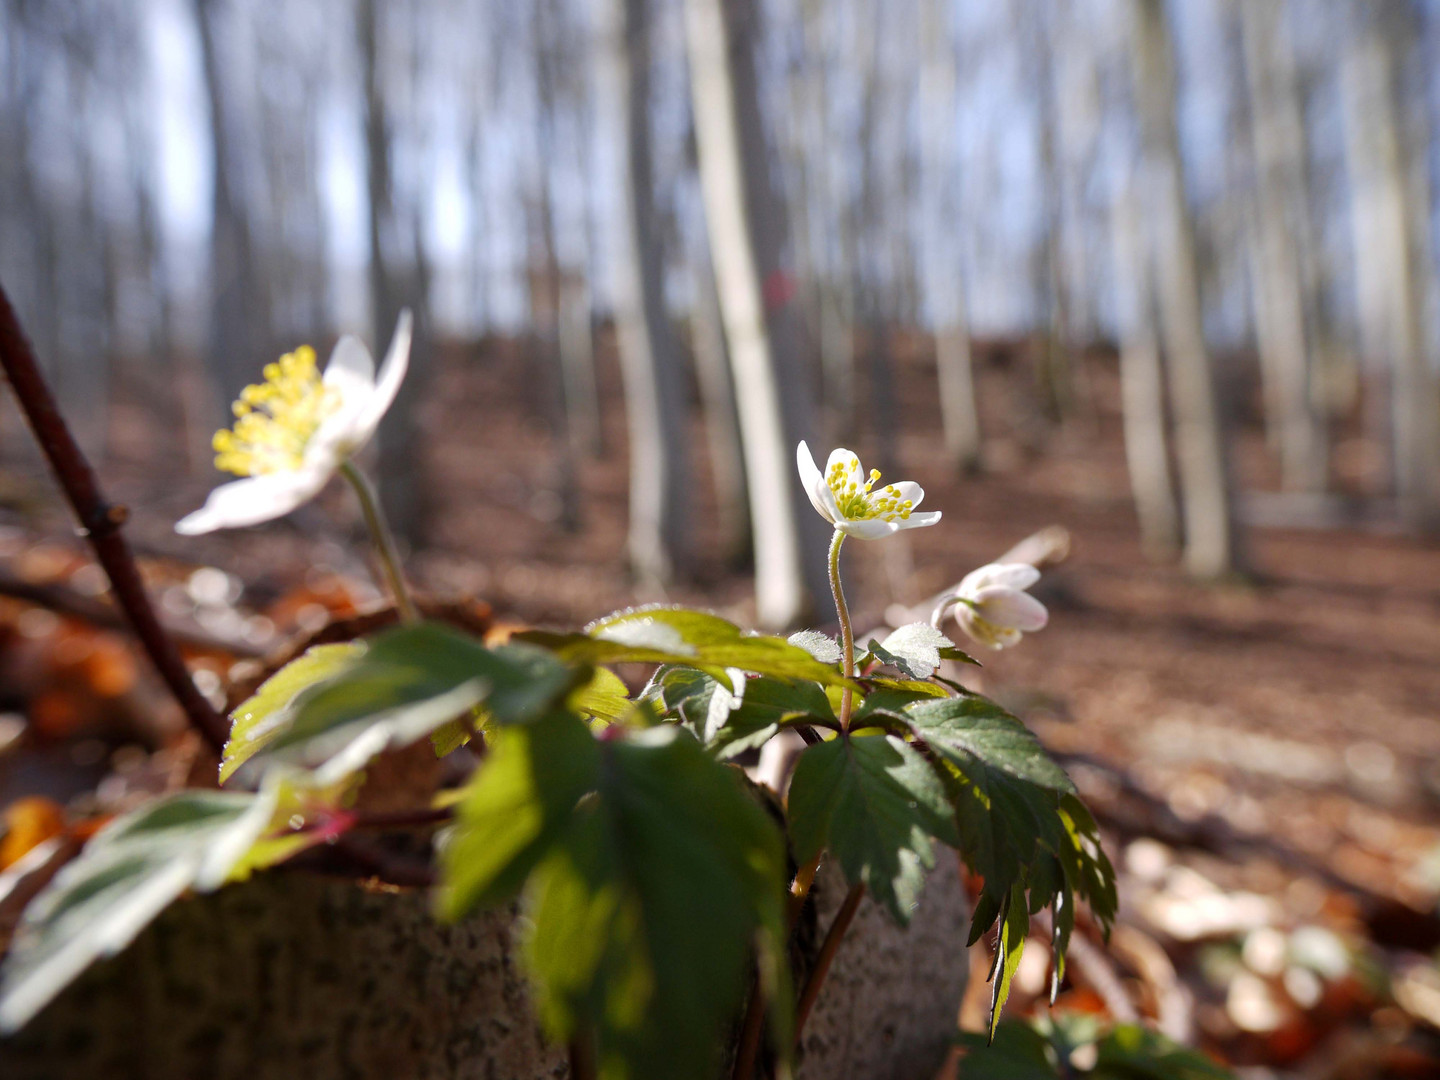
993	608
847	499
296	429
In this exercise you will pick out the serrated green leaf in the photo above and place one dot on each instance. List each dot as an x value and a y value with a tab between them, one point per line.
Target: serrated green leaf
872	683
515	808
876	803
653	874
408	683
260	718
1014	925
767	706
917	649
668	635
970	730
822	647
128	873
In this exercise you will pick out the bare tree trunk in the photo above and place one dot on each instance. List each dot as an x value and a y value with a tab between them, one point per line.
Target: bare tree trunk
649	362
1394	269
1142	381
722	426
1282	308
945	290
1210	532
746	230
238	323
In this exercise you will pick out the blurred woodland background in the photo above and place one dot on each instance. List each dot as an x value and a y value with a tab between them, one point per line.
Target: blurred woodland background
1163	272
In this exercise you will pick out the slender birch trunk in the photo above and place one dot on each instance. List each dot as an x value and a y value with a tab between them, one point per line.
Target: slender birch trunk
1210	530
1282	307
746	229
945	290
649	362
1142	380
1394	264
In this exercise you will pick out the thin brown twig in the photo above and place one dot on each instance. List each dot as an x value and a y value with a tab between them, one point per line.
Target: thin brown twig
101	523
843	918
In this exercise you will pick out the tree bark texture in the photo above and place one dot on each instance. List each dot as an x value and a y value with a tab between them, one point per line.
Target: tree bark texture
655	402
1393	258
1282	306
745	224
1210	532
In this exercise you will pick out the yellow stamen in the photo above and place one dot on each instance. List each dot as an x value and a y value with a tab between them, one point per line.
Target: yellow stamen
855	501
275	420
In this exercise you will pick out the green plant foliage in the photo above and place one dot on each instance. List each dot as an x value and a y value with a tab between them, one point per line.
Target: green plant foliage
822	647
604	697
128	873
256	722
649	874
916	650
668	635
408	682
729	723
1021	827
1047	1051
875	803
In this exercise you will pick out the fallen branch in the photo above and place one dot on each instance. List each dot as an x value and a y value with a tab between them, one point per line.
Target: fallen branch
101	523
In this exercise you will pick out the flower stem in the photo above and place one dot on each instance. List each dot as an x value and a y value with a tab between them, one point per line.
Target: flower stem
847	635
384	541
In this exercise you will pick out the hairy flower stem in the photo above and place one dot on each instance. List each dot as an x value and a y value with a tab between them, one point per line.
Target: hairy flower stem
847	635
383	539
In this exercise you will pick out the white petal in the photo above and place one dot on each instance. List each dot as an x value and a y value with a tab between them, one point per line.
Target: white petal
350	369
392	374
918	521
907	489
814	484
1010	575
1011	608
253	500
982	631
869	528
849	463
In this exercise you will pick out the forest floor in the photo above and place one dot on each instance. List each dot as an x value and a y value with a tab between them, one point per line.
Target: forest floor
1264	753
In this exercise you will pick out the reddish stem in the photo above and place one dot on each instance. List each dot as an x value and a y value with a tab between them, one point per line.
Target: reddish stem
843	918
101	523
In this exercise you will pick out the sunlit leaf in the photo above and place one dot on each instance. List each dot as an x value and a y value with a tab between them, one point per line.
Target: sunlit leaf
822	647
605	696
409	682
259	719
668	635
1009	946
917	649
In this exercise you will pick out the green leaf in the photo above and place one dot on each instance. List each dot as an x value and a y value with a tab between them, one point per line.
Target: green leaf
822	647
974	732
767	706
515	809
872	683
128	873
605	696
409	682
917	649
1021	825
256	722
875	802
1131	1052
651	872
668	635
1014	925
1017	1052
